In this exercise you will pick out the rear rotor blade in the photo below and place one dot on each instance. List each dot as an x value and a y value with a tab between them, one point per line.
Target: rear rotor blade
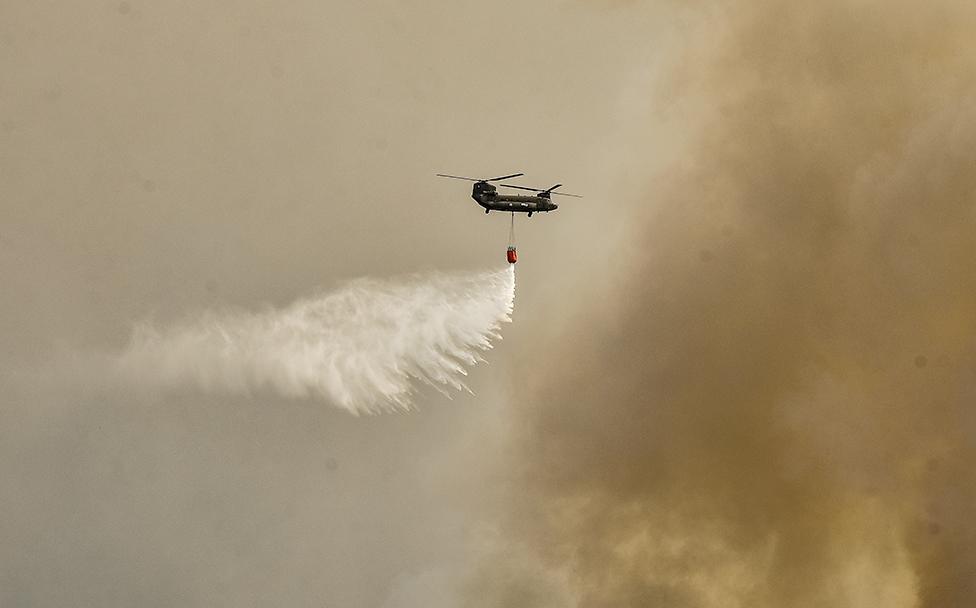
470	179
550	190
495	179
521	187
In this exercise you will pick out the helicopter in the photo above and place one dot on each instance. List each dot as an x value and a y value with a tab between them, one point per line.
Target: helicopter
486	195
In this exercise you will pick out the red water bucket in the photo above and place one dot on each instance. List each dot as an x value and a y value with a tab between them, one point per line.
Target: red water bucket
511	255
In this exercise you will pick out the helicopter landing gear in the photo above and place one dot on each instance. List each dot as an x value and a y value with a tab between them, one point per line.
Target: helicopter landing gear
486	211
530	214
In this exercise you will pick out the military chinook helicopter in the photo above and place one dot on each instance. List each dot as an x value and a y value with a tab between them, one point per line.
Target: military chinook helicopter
486	195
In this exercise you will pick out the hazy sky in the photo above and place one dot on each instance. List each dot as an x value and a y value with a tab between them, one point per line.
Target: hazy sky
160	159
739	373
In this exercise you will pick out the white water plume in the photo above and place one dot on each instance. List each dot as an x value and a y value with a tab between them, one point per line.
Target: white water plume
360	347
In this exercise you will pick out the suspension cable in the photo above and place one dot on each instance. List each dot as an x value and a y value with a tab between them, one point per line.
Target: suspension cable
511	232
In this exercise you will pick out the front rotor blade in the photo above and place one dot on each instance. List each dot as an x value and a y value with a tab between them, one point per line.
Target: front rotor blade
567	194
470	179
495	179
553	188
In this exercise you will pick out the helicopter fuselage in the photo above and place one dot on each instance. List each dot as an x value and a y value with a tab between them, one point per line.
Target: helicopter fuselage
487	196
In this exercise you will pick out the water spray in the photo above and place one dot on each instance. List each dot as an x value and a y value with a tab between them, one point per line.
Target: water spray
363	347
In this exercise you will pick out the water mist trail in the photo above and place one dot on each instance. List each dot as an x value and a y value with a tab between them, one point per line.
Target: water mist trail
360	347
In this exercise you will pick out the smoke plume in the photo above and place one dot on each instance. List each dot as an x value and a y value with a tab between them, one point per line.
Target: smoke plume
774	408
360	347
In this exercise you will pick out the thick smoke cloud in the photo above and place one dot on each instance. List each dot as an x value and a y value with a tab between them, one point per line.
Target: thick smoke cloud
360	347
776	408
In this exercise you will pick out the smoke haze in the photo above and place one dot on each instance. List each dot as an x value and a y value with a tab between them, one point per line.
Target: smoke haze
777	410
359	347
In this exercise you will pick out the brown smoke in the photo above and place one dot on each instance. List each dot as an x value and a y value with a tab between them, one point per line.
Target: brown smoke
776	408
